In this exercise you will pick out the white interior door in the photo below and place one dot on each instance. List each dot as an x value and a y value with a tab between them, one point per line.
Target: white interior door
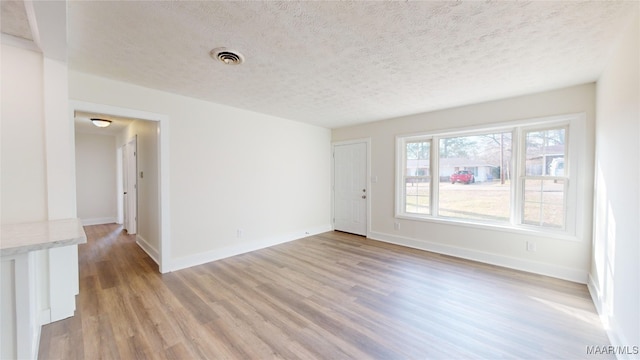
130	196
350	188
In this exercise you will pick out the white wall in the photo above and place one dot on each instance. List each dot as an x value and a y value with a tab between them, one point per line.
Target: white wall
567	259
230	170
24	183
148	230
23	169
615	272
96	178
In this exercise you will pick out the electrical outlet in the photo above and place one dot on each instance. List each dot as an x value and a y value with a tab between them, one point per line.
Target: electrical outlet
396	225
239	233
531	246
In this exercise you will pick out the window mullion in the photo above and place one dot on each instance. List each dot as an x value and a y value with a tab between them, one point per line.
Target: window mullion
401	190
517	182
435	175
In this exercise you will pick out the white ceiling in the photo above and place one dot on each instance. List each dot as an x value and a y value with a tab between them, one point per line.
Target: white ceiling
335	64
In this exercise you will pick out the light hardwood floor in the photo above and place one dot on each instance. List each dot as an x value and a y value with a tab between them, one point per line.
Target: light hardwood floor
330	296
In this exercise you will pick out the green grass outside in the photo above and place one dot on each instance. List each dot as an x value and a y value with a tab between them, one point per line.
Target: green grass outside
490	201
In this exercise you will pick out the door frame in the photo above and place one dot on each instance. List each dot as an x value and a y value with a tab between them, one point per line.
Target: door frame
164	226
367	142
131	202
119	185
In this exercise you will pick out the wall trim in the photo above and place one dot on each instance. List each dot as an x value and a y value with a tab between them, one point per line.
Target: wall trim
616	340
560	272
594	291
98	221
244	247
35	342
19	42
44	318
148	248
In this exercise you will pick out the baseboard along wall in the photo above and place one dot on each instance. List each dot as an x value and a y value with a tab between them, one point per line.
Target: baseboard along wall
564	273
232	250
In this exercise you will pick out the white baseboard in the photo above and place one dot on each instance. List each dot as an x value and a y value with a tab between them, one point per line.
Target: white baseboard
617	340
150	250
35	342
575	275
594	291
244	247
98	221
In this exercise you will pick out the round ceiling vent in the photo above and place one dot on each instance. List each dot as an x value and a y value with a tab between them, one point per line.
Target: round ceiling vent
227	56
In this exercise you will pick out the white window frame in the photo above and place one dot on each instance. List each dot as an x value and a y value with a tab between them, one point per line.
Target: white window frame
401	173
575	143
519	212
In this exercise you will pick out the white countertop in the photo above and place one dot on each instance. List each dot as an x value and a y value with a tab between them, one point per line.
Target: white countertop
25	237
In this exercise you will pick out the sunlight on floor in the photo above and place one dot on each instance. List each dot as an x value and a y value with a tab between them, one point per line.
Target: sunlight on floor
586	316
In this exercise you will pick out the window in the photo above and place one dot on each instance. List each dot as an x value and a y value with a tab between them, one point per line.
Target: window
512	175
417	177
544	177
481	161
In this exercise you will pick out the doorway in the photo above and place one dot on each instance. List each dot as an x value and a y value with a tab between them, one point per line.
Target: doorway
161	181
350	187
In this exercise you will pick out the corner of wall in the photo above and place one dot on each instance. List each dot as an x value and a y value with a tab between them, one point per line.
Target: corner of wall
153	253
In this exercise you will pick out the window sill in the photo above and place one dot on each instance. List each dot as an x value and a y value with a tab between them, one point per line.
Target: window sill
522	230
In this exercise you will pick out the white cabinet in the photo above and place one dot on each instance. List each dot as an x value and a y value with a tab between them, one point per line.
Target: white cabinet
35	256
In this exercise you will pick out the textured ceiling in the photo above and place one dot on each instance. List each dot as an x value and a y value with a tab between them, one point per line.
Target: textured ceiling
14	19
335	64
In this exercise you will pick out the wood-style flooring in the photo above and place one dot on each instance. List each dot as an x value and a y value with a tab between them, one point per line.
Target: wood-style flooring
330	296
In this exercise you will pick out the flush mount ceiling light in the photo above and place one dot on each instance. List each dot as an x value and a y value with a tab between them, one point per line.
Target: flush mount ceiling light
102	123
226	56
